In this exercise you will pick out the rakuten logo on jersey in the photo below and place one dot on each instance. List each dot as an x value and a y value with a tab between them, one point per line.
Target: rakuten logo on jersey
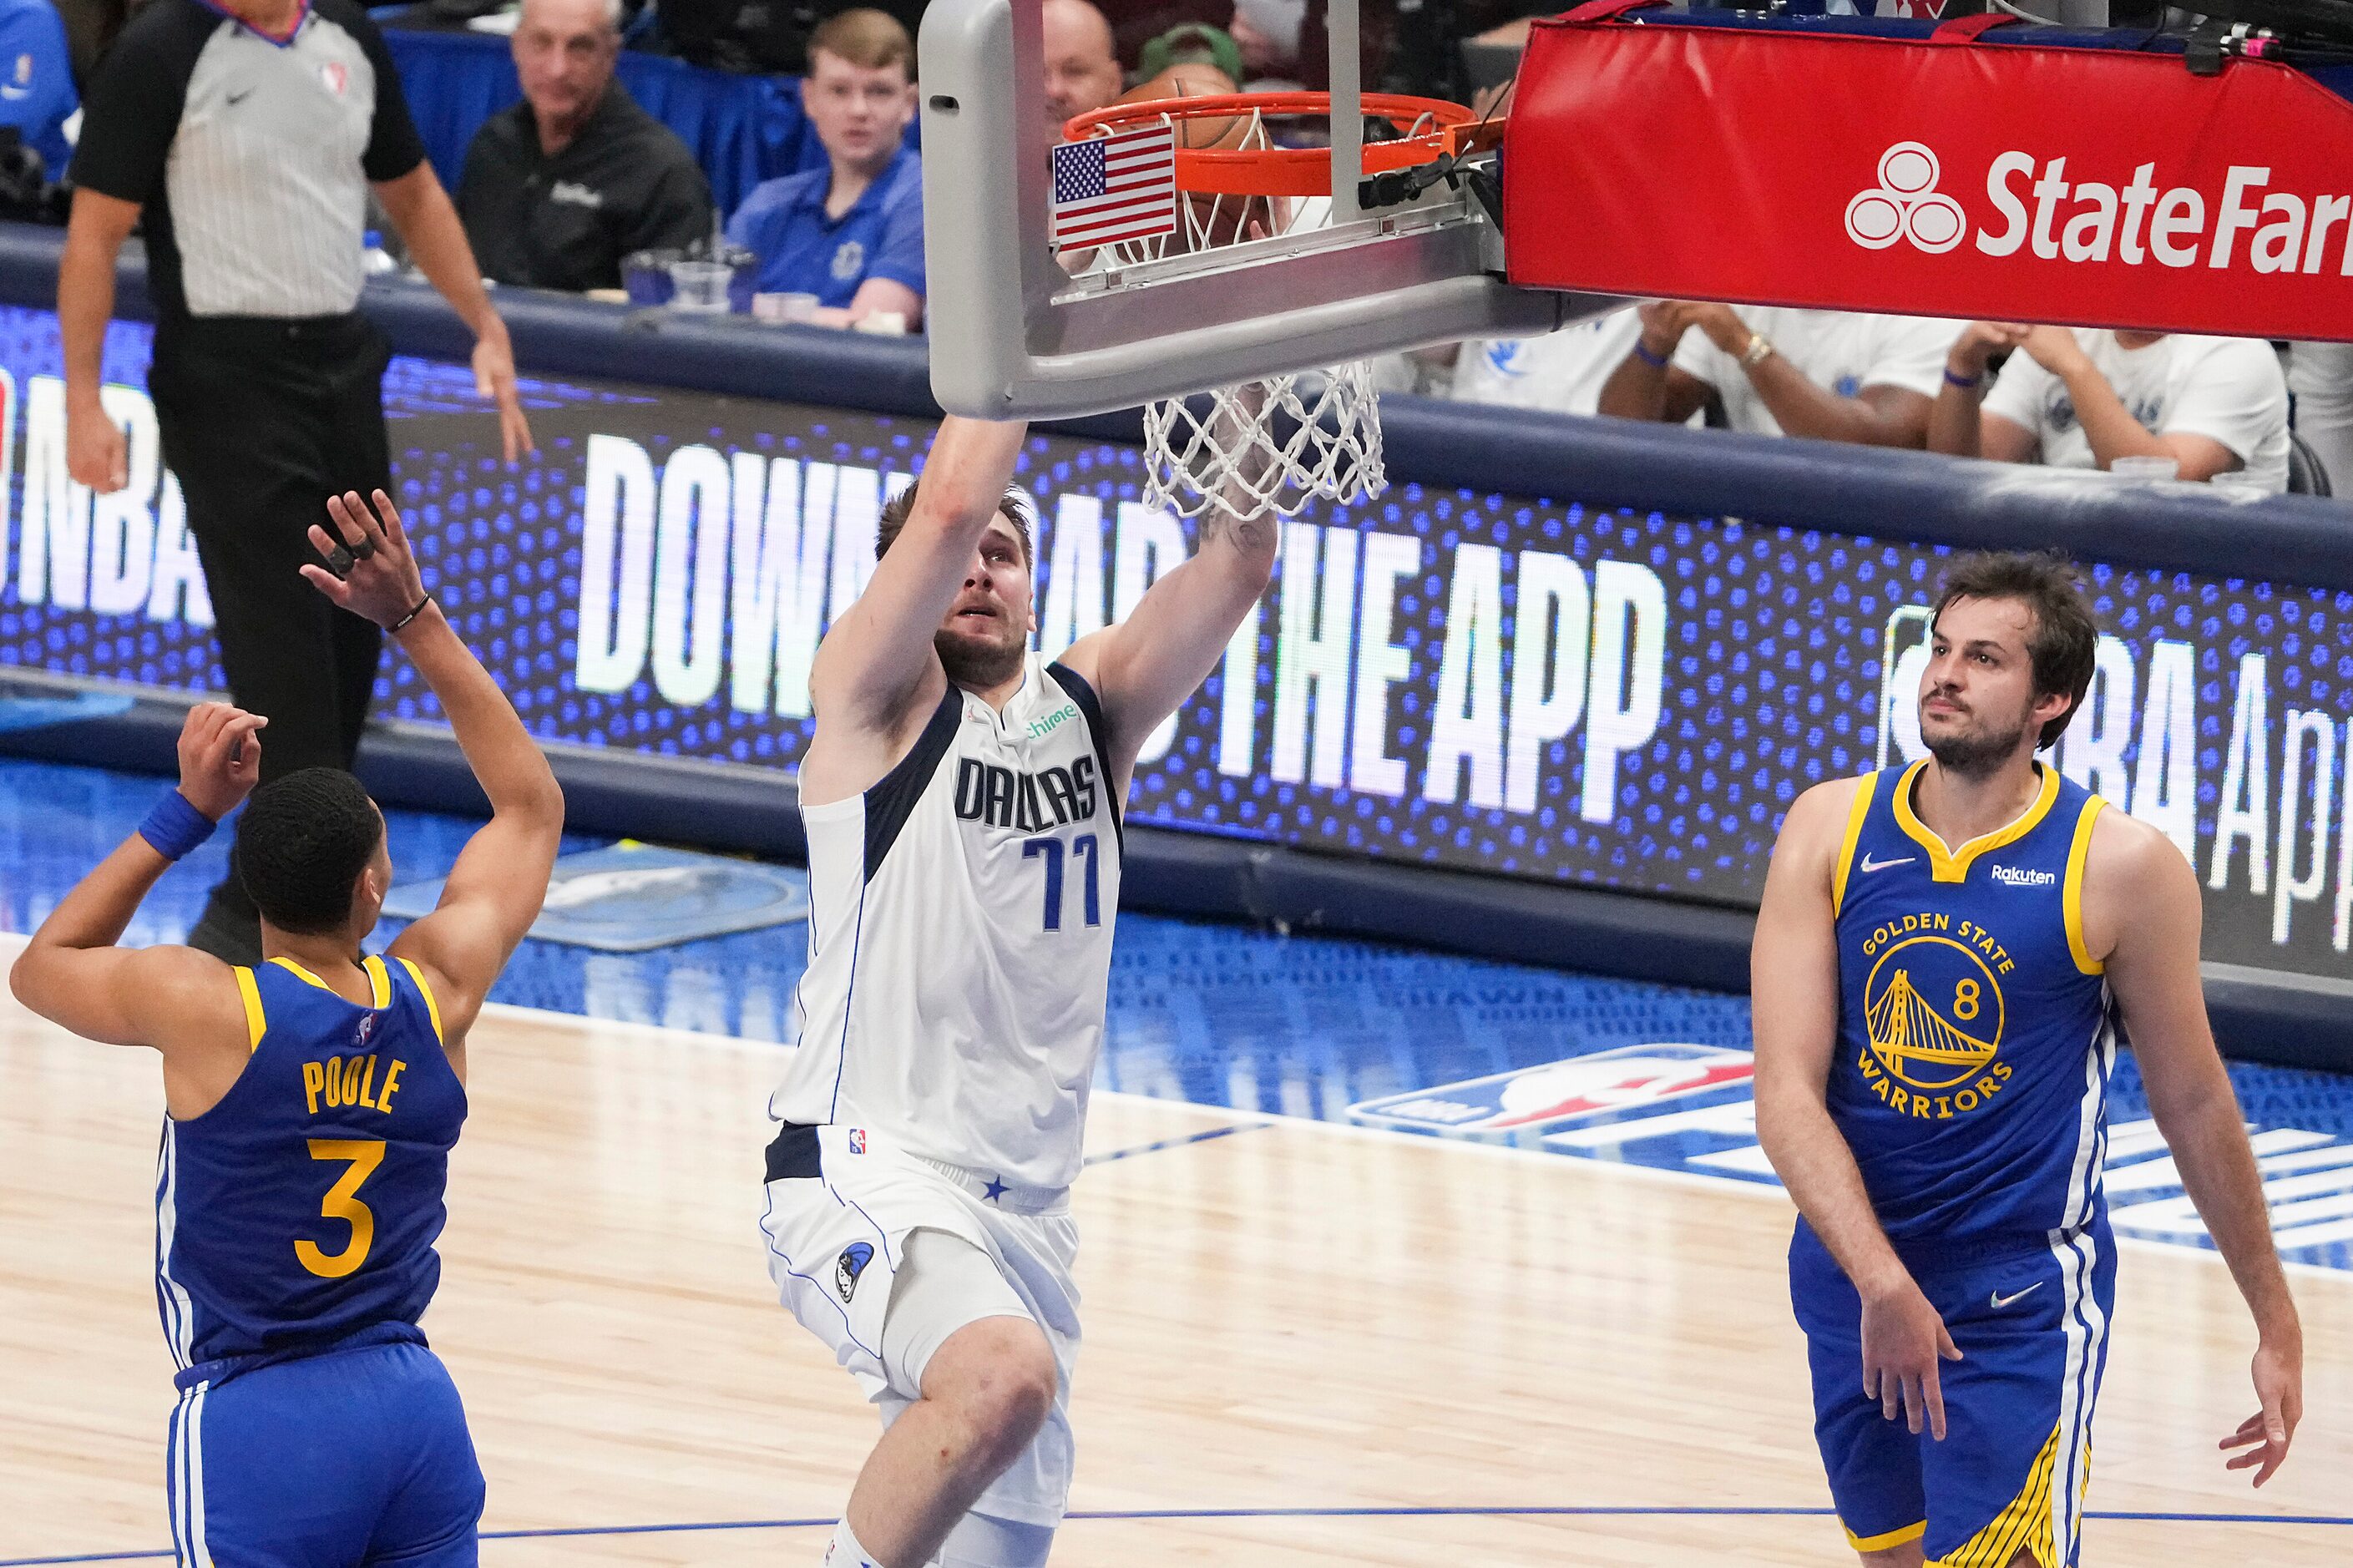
2037	206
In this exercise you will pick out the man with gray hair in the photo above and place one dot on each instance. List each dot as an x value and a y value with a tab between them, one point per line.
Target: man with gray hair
563	185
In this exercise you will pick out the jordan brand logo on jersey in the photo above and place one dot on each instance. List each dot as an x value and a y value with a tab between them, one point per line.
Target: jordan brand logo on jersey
1029	802
850	1266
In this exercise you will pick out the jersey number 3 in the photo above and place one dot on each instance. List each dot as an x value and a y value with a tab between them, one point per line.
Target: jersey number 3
1083	847
342	1203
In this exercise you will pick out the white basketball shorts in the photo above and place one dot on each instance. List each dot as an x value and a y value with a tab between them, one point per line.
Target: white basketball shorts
842	1202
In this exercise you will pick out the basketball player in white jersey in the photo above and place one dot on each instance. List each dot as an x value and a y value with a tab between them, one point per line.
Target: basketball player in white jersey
963	798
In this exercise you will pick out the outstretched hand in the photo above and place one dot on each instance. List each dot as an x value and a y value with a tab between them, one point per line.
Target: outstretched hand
370	570
220	757
2265	1436
1904	1340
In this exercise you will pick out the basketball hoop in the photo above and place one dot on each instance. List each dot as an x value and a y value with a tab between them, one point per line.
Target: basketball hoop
1272	445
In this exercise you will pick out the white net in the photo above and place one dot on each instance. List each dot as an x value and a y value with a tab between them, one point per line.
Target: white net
1267	446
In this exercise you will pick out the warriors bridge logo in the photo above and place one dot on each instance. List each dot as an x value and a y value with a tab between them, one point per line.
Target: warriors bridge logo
1933	1009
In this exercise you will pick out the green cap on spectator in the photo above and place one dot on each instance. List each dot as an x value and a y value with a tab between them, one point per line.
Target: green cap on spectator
1195	43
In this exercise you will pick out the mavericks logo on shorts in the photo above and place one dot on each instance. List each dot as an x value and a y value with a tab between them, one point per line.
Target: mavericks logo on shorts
850	1266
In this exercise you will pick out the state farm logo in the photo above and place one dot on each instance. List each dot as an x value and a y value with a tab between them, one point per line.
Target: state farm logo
2037	206
1906	205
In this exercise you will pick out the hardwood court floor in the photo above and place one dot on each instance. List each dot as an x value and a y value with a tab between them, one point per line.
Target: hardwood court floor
1285	1319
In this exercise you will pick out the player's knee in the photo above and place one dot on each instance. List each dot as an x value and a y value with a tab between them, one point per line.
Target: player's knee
998	1375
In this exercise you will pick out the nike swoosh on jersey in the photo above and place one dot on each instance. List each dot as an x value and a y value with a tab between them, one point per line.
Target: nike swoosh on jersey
1870	865
2000	1300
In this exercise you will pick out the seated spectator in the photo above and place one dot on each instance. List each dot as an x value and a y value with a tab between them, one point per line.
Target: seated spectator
851	233
1197	45
563	185
1560	373
2321	376
1287	44
1135	23
1082	71
36	82
2081	398
1775	371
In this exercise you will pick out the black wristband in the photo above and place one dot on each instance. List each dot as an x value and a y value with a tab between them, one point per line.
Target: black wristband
414	611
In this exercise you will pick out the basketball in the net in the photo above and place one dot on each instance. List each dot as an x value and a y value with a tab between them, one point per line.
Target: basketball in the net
1214	221
1193	80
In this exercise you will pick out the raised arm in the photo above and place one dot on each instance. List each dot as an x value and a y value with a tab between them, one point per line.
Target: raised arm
72	974
876	666
2142	911
1794	991
1145	666
494	891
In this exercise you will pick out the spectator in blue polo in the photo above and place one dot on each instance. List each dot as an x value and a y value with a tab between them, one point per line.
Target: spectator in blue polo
851	233
37	84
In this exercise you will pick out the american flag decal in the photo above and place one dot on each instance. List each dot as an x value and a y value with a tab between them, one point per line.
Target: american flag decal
1114	188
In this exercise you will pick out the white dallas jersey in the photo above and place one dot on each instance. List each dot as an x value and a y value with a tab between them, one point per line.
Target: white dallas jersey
960	924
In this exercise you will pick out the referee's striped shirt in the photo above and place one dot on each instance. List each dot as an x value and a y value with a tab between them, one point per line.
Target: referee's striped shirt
250	155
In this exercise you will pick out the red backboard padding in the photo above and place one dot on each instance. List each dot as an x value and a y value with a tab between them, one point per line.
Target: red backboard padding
1945	177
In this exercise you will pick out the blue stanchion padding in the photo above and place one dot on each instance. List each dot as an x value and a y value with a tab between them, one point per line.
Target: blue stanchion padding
44	711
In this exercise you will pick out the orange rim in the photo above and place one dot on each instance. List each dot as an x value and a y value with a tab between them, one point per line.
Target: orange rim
1295	171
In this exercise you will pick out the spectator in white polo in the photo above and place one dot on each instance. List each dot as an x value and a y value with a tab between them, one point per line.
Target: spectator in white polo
2083	397
1774	369
1560	373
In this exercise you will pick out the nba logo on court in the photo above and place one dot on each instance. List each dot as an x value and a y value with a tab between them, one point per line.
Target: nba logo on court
1628	1080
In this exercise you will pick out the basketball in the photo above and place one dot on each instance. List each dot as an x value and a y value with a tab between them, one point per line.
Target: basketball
1194	80
1213	221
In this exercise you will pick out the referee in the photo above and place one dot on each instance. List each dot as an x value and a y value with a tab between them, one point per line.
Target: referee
246	135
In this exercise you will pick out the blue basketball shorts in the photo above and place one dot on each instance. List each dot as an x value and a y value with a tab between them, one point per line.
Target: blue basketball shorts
356	1457
2031	1328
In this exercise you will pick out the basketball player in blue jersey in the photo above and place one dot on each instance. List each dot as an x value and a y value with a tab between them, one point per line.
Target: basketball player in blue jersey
1946	959
310	1104
962	798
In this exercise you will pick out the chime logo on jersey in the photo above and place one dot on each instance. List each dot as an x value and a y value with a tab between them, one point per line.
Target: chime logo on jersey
1029	802
850	1266
1934	1013
1627	1080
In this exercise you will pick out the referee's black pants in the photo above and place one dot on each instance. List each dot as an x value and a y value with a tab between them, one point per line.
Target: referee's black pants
263	419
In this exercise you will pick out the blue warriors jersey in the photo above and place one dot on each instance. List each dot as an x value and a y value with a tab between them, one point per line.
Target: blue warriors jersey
303	1208
1976	1033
